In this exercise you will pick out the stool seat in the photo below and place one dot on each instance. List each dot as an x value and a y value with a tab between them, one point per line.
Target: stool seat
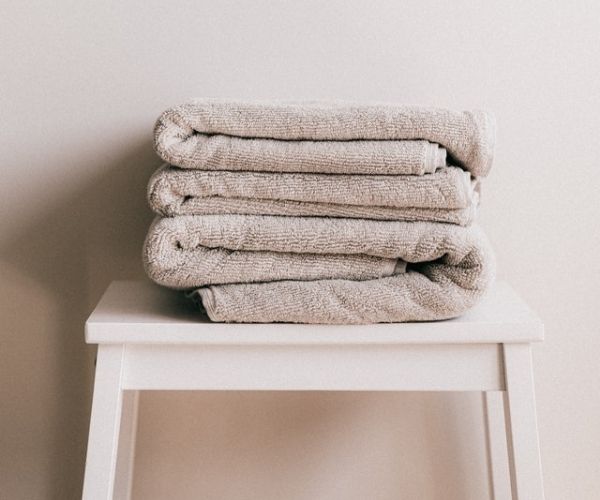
138	312
150	338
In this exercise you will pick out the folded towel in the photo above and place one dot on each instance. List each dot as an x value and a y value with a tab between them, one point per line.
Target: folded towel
214	134
448	195
452	268
319	270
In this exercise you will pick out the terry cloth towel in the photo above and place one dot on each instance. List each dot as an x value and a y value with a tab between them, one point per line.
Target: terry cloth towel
328	137
447	195
320	270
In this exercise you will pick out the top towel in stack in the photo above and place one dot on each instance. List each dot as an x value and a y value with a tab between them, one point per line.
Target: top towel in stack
320	212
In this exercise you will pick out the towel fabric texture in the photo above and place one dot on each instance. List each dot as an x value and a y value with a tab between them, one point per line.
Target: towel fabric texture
320	212
333	137
447	195
319	270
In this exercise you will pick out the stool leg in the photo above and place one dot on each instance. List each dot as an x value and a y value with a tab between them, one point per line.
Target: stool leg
107	406
521	424
498	472
126	449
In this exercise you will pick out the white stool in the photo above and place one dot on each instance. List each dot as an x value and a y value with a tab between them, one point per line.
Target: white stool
153	339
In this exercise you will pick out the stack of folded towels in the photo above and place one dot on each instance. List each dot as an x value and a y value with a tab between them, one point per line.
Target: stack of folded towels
320	212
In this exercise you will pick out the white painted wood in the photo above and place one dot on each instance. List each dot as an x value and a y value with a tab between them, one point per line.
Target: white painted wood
468	367
141	312
126	447
101	462
497	453
153	339
521	424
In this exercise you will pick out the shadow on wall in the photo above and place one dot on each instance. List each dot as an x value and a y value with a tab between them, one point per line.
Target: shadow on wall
303	445
54	269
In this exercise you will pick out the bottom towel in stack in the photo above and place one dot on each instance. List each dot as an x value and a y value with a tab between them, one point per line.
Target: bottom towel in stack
249	268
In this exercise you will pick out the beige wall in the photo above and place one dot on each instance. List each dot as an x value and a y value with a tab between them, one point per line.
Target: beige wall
80	86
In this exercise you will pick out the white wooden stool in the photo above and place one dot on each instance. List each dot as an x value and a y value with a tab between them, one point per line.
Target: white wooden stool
153	339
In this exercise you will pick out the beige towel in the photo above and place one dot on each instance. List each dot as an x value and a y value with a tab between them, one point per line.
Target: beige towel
334	137
448	195
319	270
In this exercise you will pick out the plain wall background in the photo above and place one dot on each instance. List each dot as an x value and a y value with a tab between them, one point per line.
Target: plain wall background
81	84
